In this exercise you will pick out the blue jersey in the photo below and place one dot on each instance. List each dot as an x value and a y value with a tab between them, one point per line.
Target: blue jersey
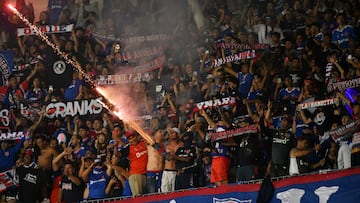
245	81
55	7
295	92
97	183
72	91
342	37
8	157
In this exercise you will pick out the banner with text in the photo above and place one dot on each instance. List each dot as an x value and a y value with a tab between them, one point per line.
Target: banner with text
214	103
134	39
233	133
340	86
13	135
236	57
345	131
123	78
72	108
319	103
145	66
45	29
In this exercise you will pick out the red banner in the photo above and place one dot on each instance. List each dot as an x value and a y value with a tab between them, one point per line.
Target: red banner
233	133
8	180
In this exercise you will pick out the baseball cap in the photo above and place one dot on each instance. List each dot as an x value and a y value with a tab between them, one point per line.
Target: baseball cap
28	152
129	133
174	129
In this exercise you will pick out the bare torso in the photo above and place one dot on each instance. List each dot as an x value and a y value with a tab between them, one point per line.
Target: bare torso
45	158
170	151
155	160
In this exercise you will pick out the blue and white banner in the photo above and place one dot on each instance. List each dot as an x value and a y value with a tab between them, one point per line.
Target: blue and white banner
339	186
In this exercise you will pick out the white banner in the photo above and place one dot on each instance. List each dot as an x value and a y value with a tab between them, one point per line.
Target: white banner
340	86
235	57
13	135
319	103
216	102
81	107
123	79
45	29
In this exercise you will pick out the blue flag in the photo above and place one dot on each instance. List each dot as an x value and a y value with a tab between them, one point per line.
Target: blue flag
6	65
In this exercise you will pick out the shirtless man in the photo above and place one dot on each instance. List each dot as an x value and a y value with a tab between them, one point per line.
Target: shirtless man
46	154
155	163
169	174
44	161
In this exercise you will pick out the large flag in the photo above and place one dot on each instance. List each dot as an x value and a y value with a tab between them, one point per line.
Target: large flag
6	65
338	186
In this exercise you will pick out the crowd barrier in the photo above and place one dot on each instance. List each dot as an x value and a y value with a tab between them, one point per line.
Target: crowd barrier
321	187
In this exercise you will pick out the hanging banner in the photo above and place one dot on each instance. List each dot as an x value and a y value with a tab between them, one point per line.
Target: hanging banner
236	57
214	103
13	135
238	46
340	86
8	180
319	103
81	107
344	131
45	29
233	133
6	65
123	79
145	66
146	52
134	39
337	186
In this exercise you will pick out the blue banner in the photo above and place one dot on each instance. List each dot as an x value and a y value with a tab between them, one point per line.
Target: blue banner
339	186
6	65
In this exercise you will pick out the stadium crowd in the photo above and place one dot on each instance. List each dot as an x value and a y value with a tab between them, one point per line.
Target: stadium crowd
287	104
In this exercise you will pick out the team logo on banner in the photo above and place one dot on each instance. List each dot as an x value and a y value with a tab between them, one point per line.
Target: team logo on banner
230	200
59	67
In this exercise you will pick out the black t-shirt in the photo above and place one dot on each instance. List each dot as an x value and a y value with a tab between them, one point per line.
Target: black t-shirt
30	182
247	150
282	142
59	72
303	164
185	152
70	191
323	117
